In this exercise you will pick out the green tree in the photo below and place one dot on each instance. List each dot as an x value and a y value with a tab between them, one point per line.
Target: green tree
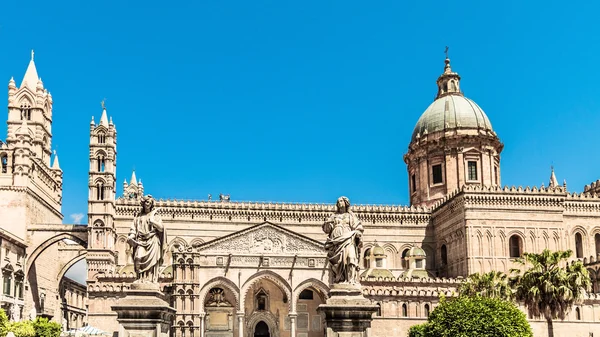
3	323
474	316
417	330
44	328
493	284
21	329
547	289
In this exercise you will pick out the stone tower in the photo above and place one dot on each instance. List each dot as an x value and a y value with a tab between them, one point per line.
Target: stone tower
30	183
453	144
101	200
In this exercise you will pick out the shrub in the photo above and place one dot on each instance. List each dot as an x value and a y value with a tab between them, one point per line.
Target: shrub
21	329
44	328
417	330
476	316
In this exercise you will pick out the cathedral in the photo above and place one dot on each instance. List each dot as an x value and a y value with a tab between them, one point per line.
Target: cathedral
248	269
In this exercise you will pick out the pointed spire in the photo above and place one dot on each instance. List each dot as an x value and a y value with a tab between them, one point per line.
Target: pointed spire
449	81
92	122
55	165
11	83
104	118
553	182
133	180
31	76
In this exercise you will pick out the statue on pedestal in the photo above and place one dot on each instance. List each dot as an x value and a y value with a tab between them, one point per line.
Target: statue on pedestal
147	238
344	243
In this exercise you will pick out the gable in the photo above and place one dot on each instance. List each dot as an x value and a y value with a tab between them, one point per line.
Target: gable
266	238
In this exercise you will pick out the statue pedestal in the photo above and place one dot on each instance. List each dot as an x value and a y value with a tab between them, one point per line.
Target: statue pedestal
144	312
347	312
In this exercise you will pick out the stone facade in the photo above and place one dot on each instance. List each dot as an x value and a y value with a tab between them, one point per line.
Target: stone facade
259	269
73	296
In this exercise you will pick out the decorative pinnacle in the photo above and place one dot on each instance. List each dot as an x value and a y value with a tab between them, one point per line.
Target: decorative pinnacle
103	103
32	54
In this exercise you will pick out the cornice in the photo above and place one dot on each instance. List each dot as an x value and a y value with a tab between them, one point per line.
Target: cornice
263	211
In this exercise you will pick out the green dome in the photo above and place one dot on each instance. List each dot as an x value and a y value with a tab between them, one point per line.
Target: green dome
451	112
416	252
378	251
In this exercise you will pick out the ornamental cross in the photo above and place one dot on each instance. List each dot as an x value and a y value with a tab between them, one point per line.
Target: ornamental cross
446	51
103	103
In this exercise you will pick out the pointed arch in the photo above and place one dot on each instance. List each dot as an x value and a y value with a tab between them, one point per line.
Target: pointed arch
196	242
177	242
271	276
310	283
392	254
219	282
49	242
70	264
479	243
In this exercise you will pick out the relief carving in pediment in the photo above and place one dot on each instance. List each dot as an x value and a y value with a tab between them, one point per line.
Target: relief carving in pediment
264	239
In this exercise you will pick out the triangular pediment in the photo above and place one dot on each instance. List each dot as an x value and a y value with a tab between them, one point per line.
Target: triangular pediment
265	238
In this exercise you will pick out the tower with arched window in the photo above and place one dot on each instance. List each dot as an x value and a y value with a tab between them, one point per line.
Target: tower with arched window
101	199
28	177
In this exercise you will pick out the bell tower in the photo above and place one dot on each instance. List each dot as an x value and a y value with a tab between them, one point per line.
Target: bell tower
101	200
31	103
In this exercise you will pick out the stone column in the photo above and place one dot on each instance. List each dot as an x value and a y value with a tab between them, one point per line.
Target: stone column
293	316
202	315
240	316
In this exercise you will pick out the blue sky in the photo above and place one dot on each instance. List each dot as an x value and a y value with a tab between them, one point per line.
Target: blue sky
305	101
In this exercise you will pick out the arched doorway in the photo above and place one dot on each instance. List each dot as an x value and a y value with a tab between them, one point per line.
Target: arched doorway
261	330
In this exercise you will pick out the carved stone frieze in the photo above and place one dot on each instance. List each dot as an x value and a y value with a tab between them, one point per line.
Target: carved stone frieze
263	239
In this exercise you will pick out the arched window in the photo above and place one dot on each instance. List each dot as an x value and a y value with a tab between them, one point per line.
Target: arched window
404	260
404	310
378	314
366	259
19	276
426	310
101	138
444	253
7	276
4	163
577	314
597	239
25	111
515	246
101	163
578	246
100	191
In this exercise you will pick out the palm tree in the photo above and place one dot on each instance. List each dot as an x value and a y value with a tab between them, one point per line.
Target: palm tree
493	284
547	289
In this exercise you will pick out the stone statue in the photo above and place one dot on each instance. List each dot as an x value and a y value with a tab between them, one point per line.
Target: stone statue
14	313
32	314
147	238
344	243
